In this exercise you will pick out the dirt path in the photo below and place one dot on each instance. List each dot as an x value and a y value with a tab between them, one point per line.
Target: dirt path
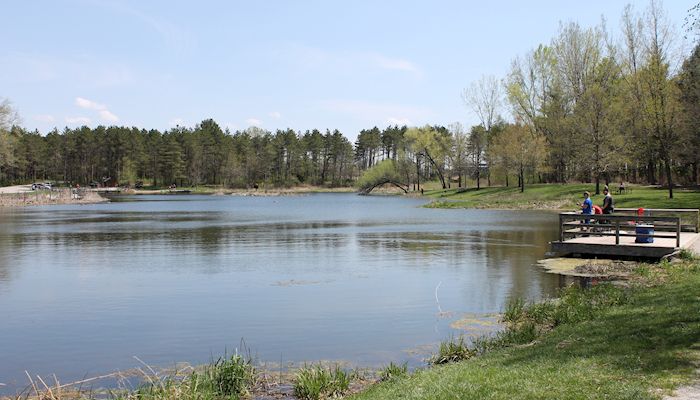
690	392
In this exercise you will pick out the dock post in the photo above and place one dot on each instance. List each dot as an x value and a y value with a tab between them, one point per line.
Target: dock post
561	228
617	232
678	232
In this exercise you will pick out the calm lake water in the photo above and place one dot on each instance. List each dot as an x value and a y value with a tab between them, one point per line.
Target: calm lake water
170	279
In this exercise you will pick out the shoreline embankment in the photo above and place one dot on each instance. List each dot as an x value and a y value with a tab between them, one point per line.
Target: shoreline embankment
18	196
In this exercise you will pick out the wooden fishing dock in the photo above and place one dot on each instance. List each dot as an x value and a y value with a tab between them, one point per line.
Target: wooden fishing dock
656	233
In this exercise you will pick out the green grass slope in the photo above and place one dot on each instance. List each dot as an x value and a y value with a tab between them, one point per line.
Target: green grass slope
559	197
634	351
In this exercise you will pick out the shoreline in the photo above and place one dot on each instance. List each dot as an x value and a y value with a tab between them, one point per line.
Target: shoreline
49	197
590	316
261	192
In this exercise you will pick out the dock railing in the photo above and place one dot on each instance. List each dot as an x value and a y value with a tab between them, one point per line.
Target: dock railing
573	225
690	217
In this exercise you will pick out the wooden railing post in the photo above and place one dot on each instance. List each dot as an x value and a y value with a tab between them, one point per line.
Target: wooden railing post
617	232
561	227
678	232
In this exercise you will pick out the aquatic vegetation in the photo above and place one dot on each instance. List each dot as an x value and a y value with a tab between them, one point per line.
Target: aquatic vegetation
452	350
317	382
393	371
226	378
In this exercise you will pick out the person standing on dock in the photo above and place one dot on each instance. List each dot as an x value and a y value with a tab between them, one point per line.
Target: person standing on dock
586	205
608	202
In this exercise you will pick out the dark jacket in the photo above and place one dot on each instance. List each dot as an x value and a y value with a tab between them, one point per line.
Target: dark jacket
608	204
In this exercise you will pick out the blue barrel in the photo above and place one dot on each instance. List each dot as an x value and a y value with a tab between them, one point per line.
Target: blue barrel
644	230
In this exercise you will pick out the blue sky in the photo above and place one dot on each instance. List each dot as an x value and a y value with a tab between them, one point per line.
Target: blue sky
275	64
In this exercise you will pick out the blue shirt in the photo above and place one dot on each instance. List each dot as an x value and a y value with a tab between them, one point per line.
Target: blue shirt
587	206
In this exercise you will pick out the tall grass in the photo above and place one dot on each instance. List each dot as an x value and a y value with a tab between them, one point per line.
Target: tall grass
317	382
393	371
452	350
525	322
226	378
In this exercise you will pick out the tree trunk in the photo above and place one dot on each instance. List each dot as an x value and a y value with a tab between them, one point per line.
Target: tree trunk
418	172
522	180
478	176
437	168
669	178
597	183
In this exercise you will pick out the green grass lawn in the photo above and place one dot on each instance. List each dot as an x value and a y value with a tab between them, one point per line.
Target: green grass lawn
559	197
637	350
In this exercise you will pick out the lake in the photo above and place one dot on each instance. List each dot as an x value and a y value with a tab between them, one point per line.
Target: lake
362	279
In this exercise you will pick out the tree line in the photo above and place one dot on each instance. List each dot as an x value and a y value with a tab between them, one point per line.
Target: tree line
203	155
588	106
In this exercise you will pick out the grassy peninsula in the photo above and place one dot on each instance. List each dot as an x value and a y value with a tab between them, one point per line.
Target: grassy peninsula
559	197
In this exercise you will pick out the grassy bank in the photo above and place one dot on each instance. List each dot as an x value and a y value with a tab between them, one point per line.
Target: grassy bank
608	343
263	191
559	197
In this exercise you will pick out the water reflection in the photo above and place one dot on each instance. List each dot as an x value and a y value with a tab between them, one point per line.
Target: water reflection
83	288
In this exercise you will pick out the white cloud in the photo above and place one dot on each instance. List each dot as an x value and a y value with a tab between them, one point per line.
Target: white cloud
107	116
102	111
399	121
78	120
253	122
275	114
89	104
46	118
176	122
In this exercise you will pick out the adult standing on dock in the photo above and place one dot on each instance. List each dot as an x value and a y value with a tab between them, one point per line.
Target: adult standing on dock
608	202
586	205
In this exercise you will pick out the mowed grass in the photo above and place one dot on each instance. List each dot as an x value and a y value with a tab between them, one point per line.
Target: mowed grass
638	350
560	197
